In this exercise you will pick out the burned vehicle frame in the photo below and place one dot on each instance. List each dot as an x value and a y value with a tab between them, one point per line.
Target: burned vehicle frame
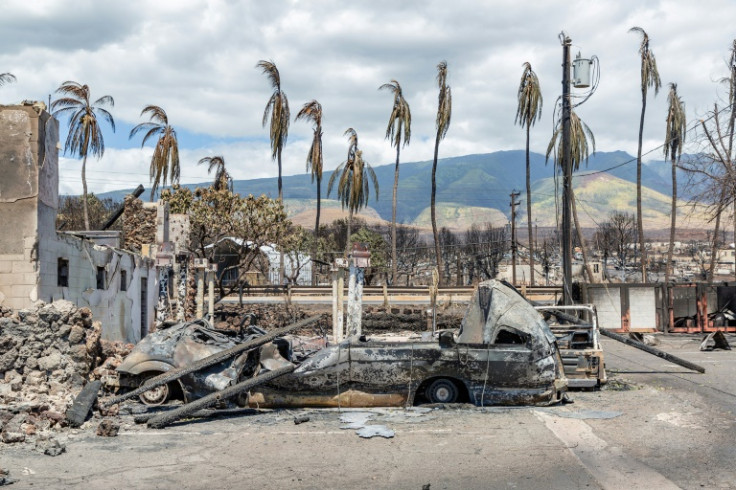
579	344
503	354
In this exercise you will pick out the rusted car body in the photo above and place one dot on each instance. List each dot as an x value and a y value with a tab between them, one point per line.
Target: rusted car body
503	354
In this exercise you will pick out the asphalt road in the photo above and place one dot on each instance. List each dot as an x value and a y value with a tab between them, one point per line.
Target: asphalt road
655	426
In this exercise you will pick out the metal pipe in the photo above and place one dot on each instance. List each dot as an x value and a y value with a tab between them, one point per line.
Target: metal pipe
116	214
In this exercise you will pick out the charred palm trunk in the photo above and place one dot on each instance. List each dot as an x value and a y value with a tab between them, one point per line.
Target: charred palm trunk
673	221
437	253
529	209
350	226
281	200
579	232
84	192
639	219
394	258
316	231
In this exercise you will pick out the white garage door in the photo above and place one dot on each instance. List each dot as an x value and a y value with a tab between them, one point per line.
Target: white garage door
607	302
643	314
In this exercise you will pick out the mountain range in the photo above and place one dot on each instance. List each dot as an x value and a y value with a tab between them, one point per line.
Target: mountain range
477	188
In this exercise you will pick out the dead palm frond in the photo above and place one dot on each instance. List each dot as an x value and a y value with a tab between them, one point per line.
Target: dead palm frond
217	164
312	111
529	106
649	72
582	140
353	189
6	78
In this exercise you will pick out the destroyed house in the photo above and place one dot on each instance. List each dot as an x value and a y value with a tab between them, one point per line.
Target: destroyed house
39	263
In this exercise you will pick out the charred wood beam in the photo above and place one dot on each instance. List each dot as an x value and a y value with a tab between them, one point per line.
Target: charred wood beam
206	413
651	350
162	420
175	374
78	412
116	214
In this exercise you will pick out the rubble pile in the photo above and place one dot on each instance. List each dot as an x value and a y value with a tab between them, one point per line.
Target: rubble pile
47	354
139	224
267	316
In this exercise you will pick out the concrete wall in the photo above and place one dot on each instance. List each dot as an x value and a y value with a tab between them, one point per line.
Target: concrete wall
28	197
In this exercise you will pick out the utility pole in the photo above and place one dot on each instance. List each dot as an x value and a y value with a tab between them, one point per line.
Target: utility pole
514	203
567	175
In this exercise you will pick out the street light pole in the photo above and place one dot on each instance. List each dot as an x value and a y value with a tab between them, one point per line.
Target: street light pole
567	175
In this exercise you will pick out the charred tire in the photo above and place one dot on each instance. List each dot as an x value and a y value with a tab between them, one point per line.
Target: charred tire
442	391
155	396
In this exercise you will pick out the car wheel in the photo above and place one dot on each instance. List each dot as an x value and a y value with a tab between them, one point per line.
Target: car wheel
156	396
442	391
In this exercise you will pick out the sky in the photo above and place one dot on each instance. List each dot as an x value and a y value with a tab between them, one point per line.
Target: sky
197	60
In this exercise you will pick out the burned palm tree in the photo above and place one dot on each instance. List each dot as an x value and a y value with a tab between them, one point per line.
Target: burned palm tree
649	79
398	132
222	179
528	110
85	134
277	108
673	142
165	158
353	188
312	111
442	123
581	141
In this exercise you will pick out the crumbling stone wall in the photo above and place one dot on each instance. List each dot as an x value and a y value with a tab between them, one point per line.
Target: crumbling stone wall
47	353
139	224
375	319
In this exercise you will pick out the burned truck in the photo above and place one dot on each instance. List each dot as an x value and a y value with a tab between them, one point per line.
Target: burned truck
503	354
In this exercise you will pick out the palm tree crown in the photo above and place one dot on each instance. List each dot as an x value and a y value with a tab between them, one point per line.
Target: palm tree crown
277	108
6	78
444	99
676	124
165	159
85	133
353	188
222	178
399	122
649	72
312	111
529	97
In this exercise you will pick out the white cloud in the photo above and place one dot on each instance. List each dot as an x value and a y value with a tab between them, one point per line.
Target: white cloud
196	59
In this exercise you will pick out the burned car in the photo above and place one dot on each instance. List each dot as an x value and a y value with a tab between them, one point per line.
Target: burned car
504	353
